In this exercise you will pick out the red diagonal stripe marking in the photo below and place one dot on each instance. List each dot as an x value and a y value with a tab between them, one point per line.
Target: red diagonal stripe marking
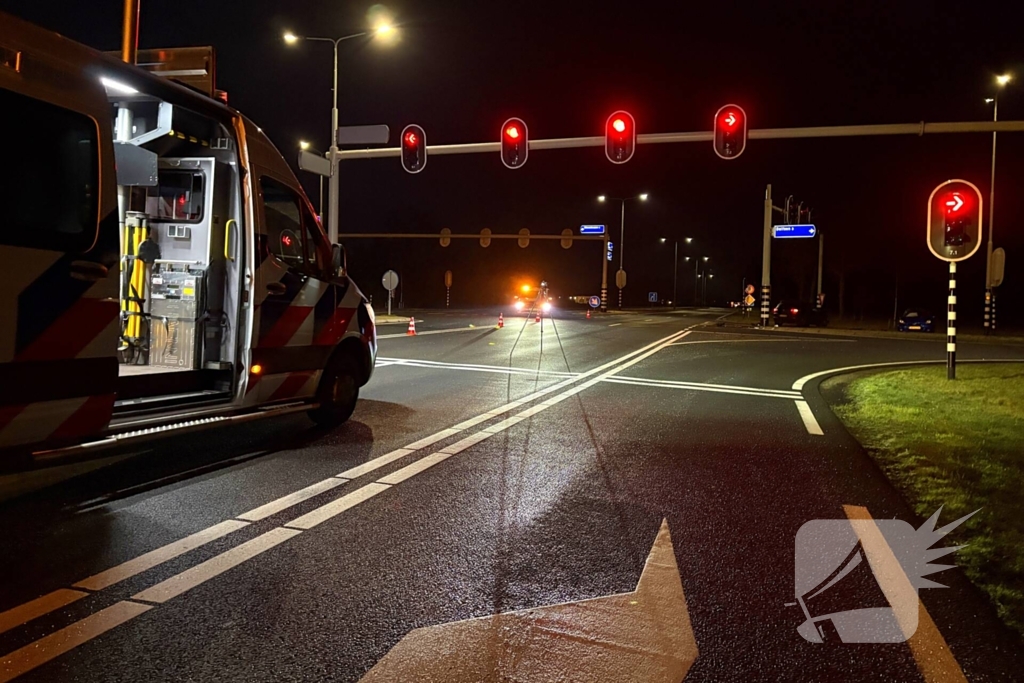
72	332
91	417
286	327
291	385
334	328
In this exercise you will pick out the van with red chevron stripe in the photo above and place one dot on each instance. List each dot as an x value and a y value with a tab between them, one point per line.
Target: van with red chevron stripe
163	269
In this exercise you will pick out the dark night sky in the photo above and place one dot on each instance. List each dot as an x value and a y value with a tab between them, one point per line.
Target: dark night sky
461	68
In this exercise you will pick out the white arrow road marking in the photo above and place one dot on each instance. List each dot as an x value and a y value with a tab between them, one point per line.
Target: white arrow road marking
643	636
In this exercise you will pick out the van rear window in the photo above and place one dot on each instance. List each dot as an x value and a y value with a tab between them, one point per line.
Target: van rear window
49	175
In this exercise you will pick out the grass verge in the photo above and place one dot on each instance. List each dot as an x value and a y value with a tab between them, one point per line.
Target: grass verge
957	444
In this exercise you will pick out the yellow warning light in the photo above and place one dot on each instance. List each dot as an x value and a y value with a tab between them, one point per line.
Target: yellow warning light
256	369
525	289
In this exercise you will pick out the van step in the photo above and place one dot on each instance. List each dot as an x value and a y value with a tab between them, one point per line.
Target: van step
146	403
176	428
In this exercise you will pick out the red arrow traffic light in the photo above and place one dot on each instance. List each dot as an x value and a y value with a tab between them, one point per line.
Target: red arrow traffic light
515	144
954	220
730	131
414	148
620	137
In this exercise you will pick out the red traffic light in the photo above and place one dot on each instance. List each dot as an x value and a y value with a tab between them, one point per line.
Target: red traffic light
620	137
515	143
414	148
730	131
954	230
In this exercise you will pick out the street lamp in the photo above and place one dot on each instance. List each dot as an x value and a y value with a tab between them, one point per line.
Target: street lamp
990	318
622	230
675	266
306	147
290	38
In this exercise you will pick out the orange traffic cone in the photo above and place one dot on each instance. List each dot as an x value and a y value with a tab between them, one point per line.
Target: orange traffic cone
501	320
537	319
588	314
412	327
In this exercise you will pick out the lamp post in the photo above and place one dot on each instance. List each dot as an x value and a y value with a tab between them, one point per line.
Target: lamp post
305	146
622	229
675	268
990	317
332	186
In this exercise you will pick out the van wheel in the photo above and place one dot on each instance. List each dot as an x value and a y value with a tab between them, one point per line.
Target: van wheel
337	393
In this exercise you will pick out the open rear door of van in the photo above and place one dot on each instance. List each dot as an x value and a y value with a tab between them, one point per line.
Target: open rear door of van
58	240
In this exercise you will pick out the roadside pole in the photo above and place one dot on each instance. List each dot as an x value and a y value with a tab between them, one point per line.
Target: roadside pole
821	260
675	274
604	276
951	324
622	245
766	259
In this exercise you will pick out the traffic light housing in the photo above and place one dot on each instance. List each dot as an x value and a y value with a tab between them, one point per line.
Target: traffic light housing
730	131
954	220
620	137
414	148
515	143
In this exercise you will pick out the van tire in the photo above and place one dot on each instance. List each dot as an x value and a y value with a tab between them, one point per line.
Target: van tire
337	393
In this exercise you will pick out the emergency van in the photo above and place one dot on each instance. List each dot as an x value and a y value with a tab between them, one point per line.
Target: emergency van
161	268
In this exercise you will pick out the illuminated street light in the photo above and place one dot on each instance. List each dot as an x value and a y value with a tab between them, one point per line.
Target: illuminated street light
383	29
303	145
622	233
990	322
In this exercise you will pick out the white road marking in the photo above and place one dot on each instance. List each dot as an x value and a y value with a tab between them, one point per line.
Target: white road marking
47	648
399	335
22	614
799	384
336	507
215	566
473	367
700	386
614	324
284	502
376	463
159	556
43	650
759	341
810	423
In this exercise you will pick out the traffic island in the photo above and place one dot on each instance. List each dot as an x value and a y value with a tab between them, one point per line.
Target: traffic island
957	444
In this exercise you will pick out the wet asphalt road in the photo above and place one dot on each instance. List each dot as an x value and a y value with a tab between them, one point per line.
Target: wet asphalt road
561	506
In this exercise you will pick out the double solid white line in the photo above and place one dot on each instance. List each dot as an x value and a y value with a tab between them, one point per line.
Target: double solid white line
40	651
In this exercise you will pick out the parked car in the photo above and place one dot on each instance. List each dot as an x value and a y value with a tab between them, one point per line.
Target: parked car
916	320
792	312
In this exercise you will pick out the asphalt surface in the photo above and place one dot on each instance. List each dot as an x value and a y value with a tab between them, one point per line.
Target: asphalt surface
563	505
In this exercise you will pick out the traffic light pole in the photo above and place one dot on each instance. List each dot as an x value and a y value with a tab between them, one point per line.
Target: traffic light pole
821	261
990	311
951	324
604	277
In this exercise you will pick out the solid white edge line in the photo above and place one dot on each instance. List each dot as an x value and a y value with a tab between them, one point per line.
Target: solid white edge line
215	566
285	502
376	463
799	384
162	554
807	415
786	393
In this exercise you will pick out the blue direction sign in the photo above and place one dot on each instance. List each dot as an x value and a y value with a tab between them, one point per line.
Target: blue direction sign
595	301
788	231
652	297
591	229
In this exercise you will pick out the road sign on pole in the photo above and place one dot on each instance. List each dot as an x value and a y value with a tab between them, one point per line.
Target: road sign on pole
314	163
447	288
652	297
390	282
791	231
567	240
445	237
363	135
447	278
998	266
591	229
524	239
485	237
620	279
595	301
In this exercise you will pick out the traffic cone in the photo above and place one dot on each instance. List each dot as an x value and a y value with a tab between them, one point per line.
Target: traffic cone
537	319
588	314
501	320
412	327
